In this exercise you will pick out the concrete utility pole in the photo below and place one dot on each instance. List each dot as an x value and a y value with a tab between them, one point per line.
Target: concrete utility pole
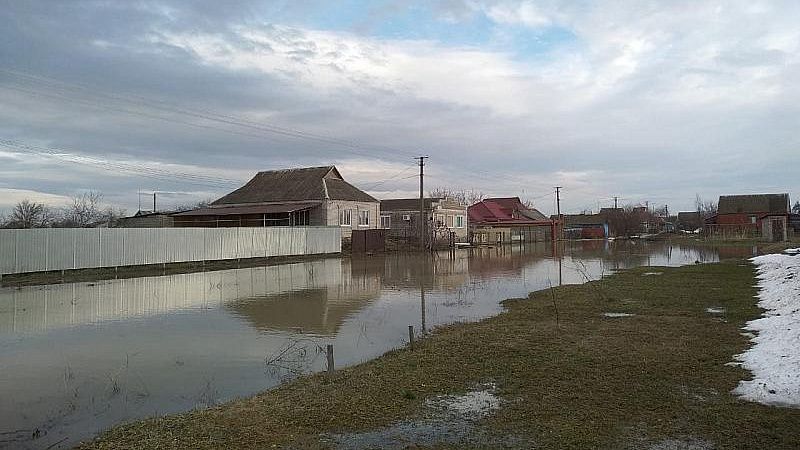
558	212
154	201
423	223
615	202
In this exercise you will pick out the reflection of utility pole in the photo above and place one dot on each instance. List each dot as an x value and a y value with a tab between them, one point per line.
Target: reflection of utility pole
422	302
423	223
560	275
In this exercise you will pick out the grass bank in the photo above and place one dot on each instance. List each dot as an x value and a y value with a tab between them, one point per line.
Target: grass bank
569	377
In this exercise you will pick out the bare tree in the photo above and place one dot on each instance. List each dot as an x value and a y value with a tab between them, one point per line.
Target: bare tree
629	220
83	210
29	214
796	208
705	209
464	197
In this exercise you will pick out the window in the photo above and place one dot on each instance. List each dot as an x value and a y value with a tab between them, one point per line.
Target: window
449	221
752	219
363	218
459	221
386	222
344	217
439	220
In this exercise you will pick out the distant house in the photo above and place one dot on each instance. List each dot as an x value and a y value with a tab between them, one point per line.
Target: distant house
146	219
585	226
504	220
401	217
312	196
763	216
689	221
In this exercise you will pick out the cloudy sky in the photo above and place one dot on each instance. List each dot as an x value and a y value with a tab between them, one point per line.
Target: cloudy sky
647	101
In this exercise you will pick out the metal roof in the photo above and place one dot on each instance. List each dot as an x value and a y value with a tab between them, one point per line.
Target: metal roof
286	207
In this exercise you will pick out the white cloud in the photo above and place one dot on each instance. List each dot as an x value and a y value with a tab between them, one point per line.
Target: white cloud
10	197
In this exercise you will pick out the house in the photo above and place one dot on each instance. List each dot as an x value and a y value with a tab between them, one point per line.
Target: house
146	219
445	216
689	221
311	196
763	216
585	226
504	220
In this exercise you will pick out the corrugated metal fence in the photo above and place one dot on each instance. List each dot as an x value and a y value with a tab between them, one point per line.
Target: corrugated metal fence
39	250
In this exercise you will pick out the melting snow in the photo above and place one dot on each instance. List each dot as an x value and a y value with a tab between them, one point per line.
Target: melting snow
613	314
646	274
473	404
792	251
715	310
774	358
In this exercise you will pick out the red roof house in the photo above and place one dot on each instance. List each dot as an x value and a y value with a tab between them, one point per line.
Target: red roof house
507	219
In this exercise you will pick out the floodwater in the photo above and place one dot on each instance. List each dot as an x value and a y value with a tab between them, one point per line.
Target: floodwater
78	358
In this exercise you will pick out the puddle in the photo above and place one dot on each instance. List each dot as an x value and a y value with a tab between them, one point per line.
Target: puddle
445	420
617	314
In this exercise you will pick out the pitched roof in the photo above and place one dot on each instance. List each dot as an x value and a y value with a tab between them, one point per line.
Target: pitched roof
584	219
309	183
282	207
505	210
757	203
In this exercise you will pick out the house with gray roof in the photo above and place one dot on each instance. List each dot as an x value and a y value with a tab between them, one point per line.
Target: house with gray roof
763	216
310	196
446	218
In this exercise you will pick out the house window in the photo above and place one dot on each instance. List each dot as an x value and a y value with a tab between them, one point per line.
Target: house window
363	218
439	220
449	221
386	222
344	217
459	221
752	219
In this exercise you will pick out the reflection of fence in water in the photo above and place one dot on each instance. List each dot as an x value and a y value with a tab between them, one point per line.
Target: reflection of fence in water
40	309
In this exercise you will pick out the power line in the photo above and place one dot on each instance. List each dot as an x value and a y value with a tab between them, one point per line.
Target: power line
120	166
64	90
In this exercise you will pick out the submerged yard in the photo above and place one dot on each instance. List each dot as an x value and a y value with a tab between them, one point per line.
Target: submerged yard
640	359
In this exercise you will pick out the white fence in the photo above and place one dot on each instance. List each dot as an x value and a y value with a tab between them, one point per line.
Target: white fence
38	250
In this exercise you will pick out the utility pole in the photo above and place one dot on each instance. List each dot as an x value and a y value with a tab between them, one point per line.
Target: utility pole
423	223
154	201
558	212
615	203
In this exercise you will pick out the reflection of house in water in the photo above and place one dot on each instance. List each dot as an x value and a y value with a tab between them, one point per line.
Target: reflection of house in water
441	270
506	260
320	310
42	309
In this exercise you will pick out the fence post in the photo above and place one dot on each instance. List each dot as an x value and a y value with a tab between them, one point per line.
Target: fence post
329	352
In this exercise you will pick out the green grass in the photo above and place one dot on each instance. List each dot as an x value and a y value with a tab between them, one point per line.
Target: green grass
587	381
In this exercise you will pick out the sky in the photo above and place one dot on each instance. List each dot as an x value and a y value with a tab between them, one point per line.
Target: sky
653	102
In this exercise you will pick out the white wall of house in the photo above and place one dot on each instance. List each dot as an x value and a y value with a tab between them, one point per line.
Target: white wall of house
368	210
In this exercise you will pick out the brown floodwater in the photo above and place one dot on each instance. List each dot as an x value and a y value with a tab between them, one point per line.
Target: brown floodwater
78	358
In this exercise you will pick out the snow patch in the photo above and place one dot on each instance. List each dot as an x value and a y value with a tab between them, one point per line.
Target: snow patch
647	274
774	359
617	314
474	404
792	251
715	310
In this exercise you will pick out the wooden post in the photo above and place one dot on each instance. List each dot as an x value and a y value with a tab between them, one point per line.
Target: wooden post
329	351
411	336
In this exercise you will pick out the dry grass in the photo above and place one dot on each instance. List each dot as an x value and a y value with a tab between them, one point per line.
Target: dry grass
588	382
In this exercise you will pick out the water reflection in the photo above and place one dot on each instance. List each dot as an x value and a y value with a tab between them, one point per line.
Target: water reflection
77	358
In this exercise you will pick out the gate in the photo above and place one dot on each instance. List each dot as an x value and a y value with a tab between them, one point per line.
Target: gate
368	241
